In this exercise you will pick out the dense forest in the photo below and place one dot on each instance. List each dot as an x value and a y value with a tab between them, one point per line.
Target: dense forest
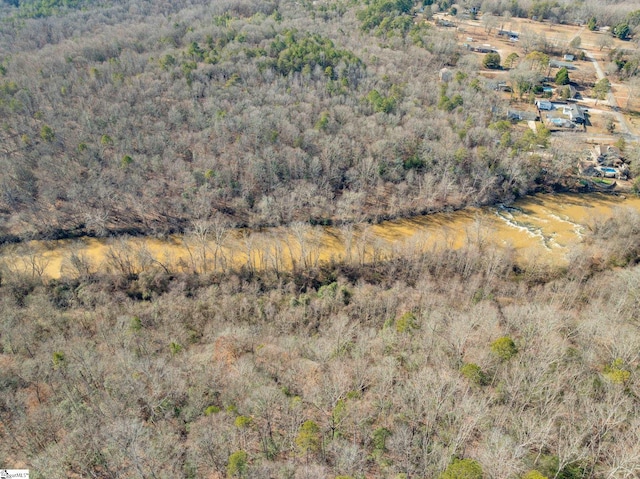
146	116
457	364
143	117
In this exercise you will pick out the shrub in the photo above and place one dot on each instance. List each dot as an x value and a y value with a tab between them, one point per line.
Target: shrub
58	359
237	466
175	348
136	324
47	134
126	161
381	104
511	60
549	466
534	475
211	410
380	436
308	438
575	42
622	31
562	77
474	373
616	372
242	422
328	290
406	323
323	122
601	88
504	348
462	469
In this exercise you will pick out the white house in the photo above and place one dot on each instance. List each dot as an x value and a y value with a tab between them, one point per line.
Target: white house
544	105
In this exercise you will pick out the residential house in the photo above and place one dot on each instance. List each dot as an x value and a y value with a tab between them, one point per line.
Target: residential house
575	113
559	64
544	105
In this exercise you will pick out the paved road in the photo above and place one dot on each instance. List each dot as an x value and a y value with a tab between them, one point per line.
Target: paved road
611	99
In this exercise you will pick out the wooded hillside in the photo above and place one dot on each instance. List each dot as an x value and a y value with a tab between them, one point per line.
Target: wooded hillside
144	117
459	363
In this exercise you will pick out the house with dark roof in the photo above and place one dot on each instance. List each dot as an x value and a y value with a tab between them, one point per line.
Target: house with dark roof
575	113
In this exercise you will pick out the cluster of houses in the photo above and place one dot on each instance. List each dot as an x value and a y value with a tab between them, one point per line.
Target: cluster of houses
573	114
563	112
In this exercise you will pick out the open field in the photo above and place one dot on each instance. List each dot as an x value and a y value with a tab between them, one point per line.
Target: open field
555	34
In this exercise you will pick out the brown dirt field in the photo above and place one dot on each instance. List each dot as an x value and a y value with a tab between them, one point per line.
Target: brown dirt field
621	93
475	30
598	124
562	33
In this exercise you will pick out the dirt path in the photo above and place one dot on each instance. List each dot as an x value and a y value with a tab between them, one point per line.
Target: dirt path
611	99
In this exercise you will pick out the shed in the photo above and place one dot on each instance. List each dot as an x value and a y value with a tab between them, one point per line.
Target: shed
445	23
518	115
445	75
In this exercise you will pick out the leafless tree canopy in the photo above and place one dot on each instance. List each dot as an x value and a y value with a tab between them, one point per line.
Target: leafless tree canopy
358	371
148	117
